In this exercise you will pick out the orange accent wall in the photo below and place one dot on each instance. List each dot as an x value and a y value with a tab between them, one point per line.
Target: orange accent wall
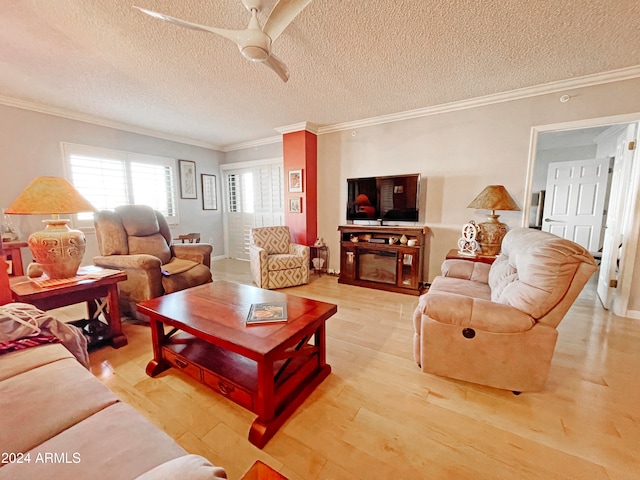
300	150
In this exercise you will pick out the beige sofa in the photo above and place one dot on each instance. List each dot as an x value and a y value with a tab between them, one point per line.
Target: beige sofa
58	421
495	325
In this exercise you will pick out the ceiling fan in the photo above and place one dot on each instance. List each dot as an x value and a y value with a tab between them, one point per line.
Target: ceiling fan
254	42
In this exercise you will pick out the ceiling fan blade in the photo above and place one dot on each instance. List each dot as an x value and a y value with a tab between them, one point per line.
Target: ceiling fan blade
278	66
232	35
282	15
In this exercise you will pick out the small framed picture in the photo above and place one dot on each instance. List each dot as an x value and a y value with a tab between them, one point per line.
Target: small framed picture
295	181
188	188
295	205
209	192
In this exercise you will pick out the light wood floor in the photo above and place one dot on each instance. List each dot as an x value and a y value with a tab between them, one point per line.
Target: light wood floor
378	416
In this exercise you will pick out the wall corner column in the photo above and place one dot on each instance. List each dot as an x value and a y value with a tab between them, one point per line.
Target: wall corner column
300	151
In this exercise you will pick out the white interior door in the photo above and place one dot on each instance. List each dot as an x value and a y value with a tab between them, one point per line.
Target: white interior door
611	250
576	194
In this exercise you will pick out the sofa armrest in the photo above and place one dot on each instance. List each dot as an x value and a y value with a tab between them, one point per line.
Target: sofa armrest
187	467
122	262
258	263
299	250
466	311
144	275
197	252
466	270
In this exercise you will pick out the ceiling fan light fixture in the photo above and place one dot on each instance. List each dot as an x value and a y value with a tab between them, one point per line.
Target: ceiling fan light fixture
255	53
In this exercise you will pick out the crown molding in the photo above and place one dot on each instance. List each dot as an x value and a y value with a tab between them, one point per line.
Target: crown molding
252	143
522	93
544	89
81	117
298	127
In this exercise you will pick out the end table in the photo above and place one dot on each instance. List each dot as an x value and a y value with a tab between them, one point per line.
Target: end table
99	289
454	255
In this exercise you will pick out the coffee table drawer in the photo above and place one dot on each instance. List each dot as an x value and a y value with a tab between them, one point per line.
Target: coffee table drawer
228	389
182	364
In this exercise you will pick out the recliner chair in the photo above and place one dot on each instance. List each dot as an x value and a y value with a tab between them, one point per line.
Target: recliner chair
137	240
495	325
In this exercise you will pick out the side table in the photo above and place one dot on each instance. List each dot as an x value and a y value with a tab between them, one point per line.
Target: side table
97	284
12	254
321	252
454	255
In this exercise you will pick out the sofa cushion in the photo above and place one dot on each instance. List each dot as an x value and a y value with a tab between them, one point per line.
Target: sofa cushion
275	240
138	220
51	398
502	273
155	245
22	361
198	275
460	287
113	443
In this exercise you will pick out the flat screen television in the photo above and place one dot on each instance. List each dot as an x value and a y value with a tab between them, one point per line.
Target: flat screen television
392	198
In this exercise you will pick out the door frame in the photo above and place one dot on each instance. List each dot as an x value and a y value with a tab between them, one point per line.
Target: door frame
627	261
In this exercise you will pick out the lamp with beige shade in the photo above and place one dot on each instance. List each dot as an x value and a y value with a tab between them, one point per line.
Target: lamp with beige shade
491	232
57	249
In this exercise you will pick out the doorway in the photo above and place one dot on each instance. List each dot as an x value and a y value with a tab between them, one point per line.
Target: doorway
591	139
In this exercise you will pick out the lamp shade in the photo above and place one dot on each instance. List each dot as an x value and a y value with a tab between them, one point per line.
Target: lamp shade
57	249
491	232
362	199
494	197
49	195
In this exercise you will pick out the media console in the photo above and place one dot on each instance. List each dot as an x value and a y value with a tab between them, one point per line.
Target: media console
377	257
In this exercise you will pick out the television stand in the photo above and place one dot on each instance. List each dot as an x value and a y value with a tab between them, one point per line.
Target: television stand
374	257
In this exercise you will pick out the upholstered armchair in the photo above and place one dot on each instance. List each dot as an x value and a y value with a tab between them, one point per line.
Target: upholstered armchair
275	261
137	239
495	325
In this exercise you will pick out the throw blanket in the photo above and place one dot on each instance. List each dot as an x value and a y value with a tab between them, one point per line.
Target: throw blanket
22	321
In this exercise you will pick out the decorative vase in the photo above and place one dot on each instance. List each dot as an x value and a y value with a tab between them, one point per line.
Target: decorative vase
403	239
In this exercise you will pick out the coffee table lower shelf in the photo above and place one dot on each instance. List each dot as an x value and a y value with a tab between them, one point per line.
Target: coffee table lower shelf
273	399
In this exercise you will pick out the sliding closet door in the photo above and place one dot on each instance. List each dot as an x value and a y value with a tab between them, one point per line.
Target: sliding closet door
254	198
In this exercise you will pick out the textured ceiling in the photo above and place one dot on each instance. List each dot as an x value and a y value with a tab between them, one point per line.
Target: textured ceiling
349	60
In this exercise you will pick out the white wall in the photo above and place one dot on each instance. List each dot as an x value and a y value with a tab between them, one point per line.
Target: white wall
458	153
31	147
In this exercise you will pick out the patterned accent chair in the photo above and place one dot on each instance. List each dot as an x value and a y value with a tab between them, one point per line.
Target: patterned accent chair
137	240
275	261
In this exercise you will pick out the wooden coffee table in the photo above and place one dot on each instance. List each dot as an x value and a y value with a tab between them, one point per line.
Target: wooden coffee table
269	369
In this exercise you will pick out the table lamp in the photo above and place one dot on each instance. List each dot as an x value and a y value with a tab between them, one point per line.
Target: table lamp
491	232
57	248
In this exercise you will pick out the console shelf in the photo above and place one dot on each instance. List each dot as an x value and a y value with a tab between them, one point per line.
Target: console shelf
374	257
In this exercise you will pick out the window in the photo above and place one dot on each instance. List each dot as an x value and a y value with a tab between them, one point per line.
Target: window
109	178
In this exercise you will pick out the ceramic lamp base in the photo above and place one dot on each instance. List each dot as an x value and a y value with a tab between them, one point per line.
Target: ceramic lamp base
490	235
58	249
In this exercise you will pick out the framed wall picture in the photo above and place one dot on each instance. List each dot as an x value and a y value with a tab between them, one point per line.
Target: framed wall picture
295	205
188	188
295	181
209	192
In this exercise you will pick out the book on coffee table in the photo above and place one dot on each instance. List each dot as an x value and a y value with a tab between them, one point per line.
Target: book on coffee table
268	312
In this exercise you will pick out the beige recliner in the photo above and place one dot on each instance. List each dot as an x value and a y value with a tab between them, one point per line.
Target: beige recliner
275	261
137	239
495	325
